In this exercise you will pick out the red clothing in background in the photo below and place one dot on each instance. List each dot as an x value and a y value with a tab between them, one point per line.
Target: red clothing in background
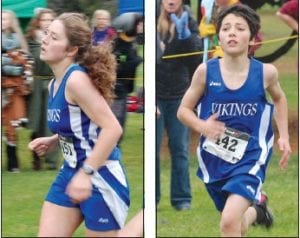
291	8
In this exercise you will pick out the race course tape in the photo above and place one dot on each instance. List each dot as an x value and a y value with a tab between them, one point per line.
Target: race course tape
201	52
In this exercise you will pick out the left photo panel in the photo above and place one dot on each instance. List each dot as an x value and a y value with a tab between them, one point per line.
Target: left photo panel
72	118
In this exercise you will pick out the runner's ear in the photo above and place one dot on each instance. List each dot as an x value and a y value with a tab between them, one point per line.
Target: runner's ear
252	42
72	51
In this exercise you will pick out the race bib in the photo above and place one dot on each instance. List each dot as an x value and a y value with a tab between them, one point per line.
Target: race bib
68	151
230	147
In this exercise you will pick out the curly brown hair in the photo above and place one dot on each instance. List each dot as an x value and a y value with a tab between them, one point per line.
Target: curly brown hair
98	60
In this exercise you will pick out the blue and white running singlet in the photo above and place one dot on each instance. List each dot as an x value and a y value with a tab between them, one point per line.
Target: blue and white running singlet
107	208
76	131
246	146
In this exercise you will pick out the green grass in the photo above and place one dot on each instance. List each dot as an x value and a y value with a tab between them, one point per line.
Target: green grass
23	193
203	219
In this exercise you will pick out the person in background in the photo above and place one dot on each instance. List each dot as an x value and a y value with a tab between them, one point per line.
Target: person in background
91	185
101	27
125	50
16	73
235	123
178	33
37	110
289	14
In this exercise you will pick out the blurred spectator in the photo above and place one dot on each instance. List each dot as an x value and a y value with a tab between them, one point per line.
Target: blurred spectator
42	75
289	14
101	27
135	103
178	33
140	33
128	60
15	85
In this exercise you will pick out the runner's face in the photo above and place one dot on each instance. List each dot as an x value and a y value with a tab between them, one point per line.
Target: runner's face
172	5
234	35
55	43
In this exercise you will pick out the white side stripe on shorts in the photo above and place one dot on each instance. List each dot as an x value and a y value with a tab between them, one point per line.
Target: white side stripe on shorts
116	205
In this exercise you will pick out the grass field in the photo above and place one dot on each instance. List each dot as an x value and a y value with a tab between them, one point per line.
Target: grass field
282	187
23	193
203	219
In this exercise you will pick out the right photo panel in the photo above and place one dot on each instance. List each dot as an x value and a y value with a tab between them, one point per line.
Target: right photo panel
227	124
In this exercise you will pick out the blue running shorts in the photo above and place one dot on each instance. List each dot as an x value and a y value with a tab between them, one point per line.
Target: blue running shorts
107	208
245	185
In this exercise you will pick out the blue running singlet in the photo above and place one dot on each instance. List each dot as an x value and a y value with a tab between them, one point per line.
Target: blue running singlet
77	133
108	206
246	146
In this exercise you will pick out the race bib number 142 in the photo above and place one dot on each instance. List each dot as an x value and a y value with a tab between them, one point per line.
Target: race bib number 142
230	147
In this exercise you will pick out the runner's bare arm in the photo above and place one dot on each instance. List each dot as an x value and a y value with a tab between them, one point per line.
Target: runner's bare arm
211	127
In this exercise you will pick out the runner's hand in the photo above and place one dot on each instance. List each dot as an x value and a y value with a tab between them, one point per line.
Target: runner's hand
214	129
